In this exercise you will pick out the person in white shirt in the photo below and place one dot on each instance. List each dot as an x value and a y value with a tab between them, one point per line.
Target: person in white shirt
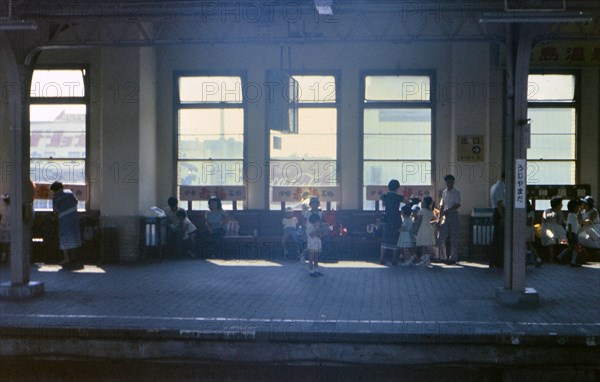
449	205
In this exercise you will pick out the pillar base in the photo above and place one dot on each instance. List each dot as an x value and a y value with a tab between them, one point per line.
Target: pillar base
32	289
528	298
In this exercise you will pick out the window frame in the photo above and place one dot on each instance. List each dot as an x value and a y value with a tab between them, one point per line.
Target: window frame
178	105
574	104
85	100
336	74
363	105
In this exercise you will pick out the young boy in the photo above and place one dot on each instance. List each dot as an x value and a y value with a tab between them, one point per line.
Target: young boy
186	231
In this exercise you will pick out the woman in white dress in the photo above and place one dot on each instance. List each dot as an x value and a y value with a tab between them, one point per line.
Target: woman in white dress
589	220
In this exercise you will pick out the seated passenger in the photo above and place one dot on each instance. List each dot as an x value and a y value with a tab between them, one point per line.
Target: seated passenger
553	226
589	220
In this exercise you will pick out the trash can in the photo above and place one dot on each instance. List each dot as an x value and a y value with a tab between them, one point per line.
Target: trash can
155	230
481	230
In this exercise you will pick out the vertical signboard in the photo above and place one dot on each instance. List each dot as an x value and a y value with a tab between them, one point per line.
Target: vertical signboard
520	183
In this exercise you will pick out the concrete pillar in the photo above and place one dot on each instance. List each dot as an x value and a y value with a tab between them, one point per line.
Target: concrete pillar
129	146
518	44
14	105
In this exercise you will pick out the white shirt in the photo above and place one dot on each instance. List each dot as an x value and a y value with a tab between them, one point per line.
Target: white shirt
497	193
573	222
187	227
450	197
290	222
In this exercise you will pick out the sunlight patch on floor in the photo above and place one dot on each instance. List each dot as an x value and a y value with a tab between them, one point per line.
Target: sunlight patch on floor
591	265
243	263
48	267
472	265
90	269
351	264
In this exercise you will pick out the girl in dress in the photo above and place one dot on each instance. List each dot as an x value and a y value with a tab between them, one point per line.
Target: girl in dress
406	241
426	234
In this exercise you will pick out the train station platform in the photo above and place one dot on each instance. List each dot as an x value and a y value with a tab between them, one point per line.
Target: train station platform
270	312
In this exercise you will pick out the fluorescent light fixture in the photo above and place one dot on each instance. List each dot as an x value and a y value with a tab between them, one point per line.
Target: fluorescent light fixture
535	17
13	25
324	7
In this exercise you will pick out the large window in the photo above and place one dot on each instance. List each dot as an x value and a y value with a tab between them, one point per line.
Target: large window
58	128
397	115
210	132
307	157
552	109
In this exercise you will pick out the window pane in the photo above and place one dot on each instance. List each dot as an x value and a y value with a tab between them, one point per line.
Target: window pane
211	133
407	172
303	173
397	88
210	89
397	147
552	147
57	83
57	131
316	138
397	121
552	120
316	89
212	173
550	172
551	87
51	170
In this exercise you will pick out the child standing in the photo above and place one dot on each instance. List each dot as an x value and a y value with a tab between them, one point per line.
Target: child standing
426	235
572	231
313	208
290	224
406	240
313	244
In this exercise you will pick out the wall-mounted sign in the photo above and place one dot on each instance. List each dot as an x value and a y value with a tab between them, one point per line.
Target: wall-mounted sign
42	191
566	53
298	194
206	192
470	148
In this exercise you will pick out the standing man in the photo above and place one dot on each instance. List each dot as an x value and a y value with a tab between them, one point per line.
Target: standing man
497	194
449	206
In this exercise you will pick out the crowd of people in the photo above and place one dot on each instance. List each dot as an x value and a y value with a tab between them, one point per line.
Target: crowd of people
415	231
421	231
564	240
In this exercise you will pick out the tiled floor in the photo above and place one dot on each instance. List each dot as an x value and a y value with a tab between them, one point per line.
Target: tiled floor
279	296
